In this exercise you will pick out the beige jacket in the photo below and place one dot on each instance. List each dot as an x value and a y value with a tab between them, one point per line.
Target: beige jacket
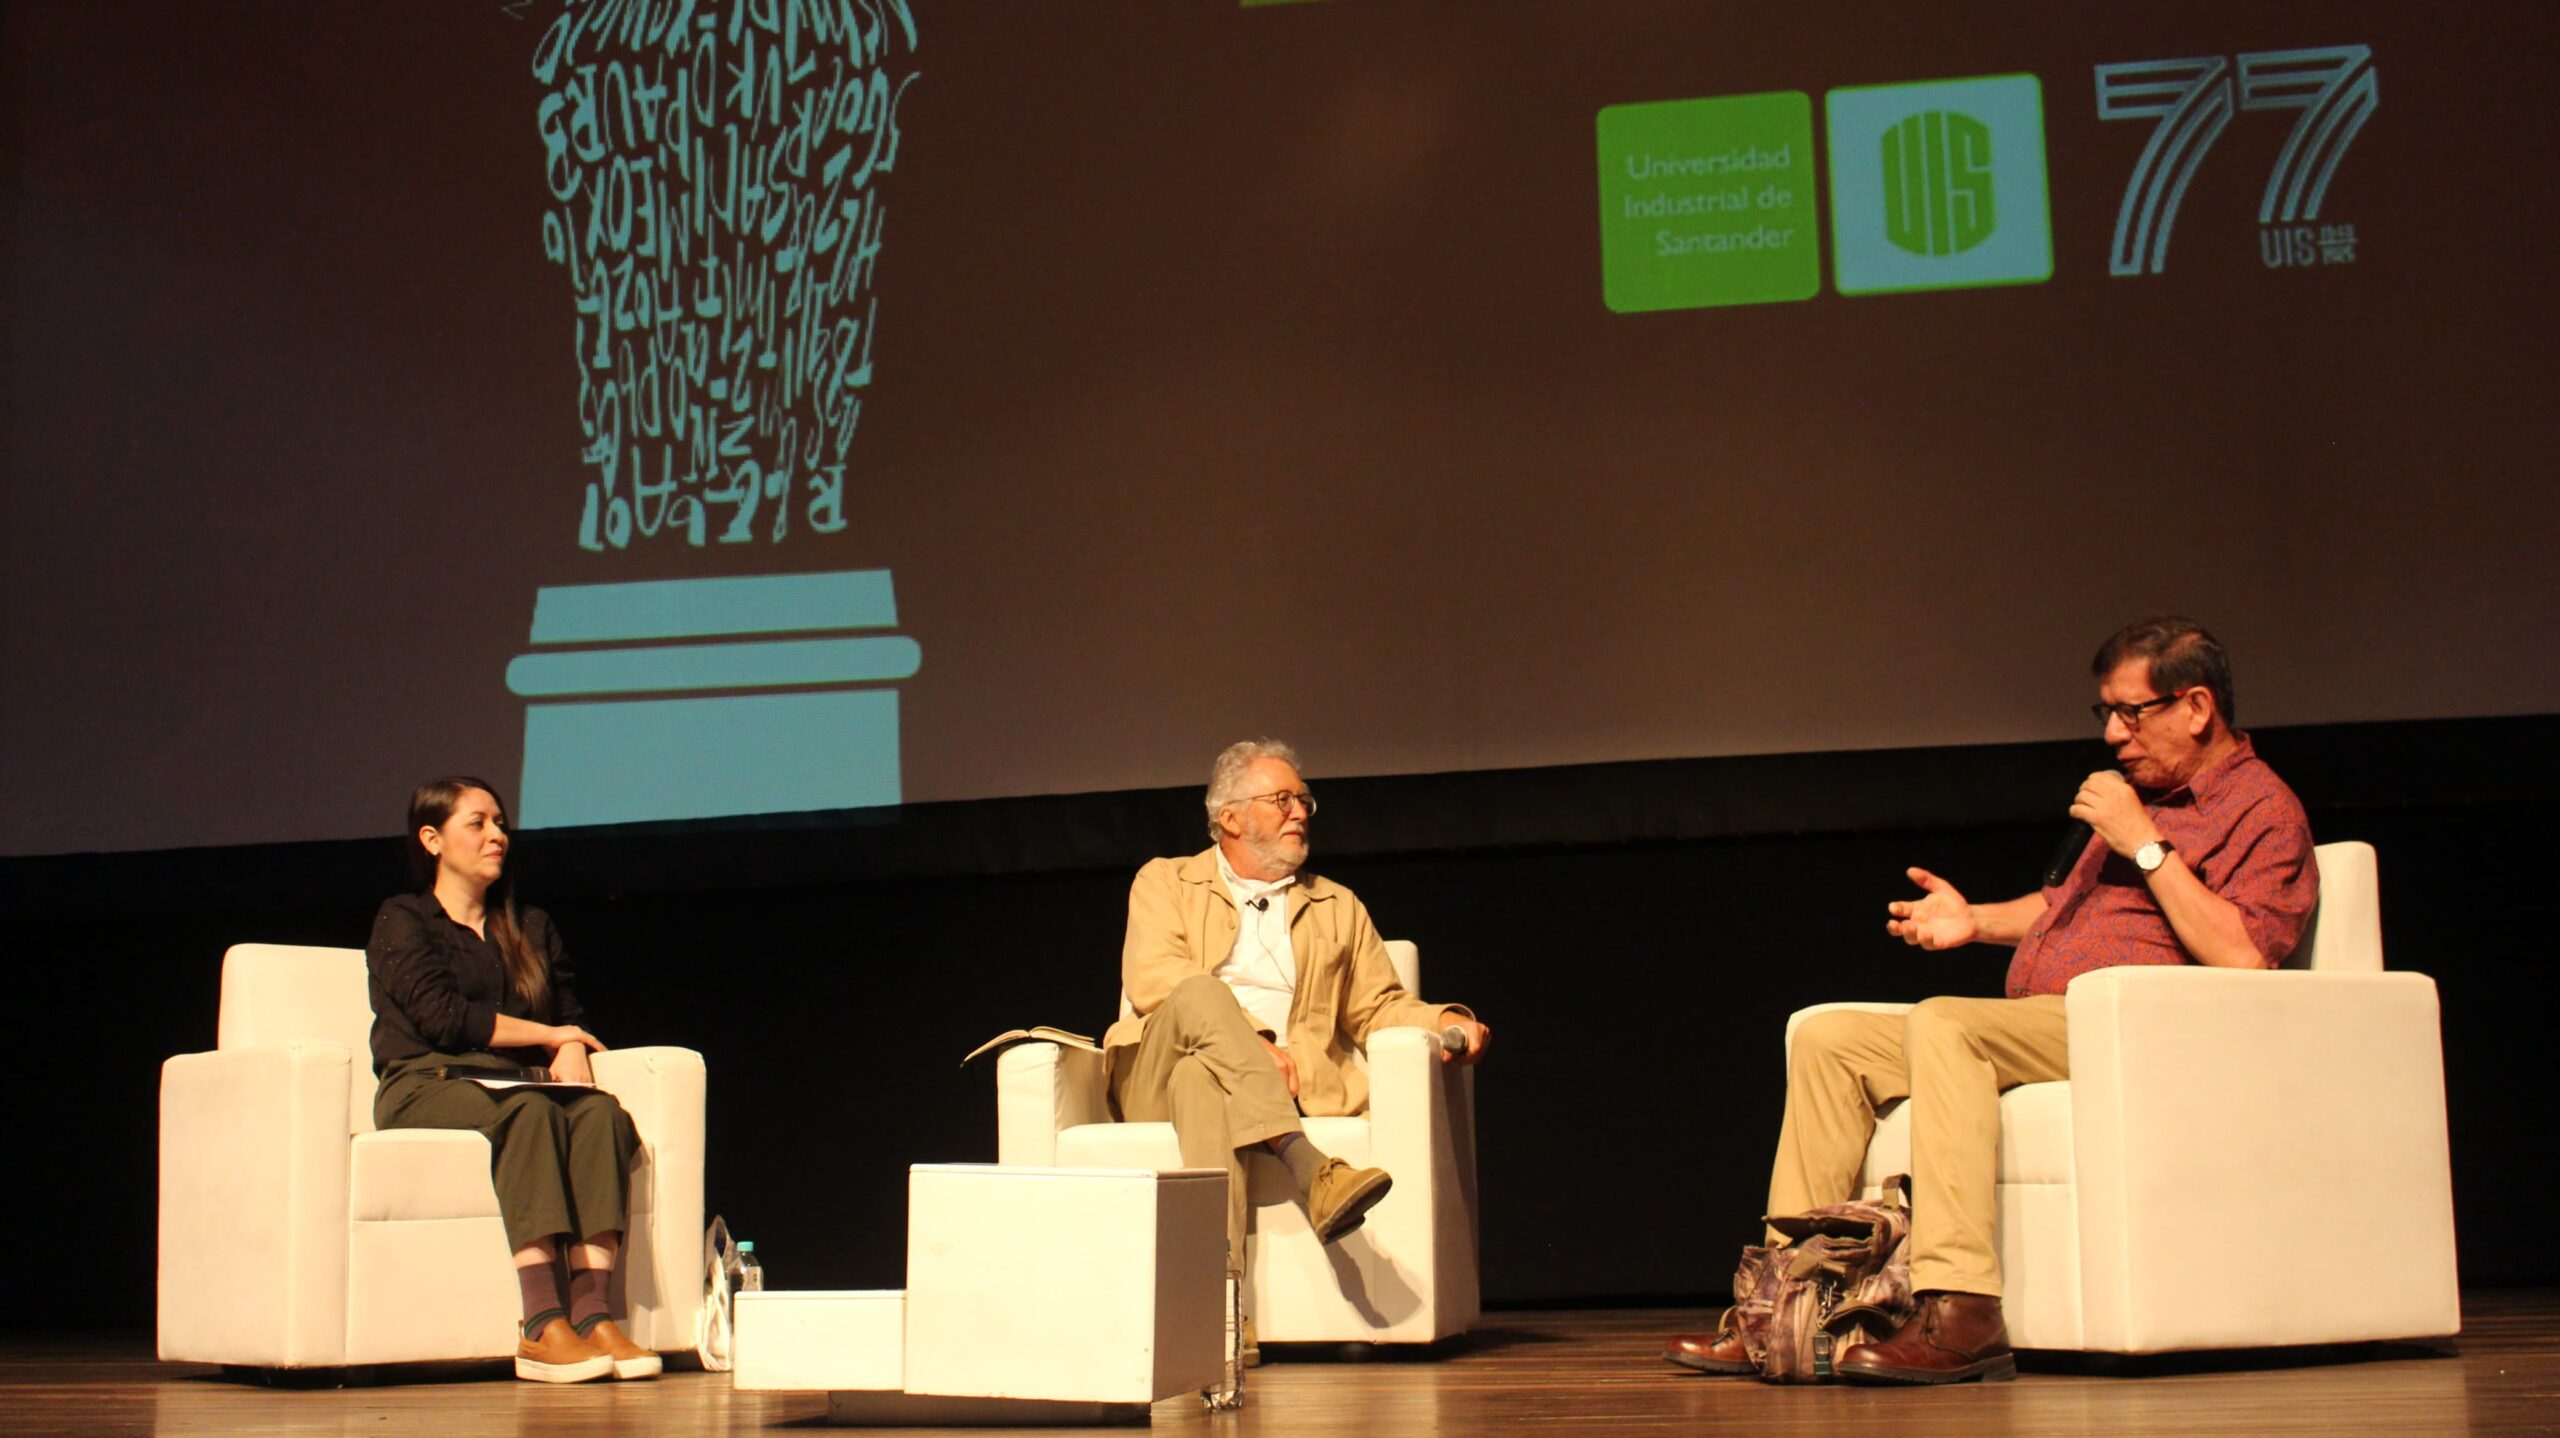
1182	921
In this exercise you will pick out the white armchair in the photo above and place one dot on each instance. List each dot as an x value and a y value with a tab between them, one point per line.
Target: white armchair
295	1235
2240	1159
1407	1276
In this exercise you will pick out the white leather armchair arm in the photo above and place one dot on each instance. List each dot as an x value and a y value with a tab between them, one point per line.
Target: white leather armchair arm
1043	1089
1404	1064
1422	1130
663	1088
1413	1100
253	1205
2261	1158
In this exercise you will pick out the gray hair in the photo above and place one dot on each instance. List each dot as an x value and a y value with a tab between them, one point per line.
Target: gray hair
1226	775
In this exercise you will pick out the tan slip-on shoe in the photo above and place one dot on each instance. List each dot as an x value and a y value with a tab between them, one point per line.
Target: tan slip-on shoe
630	1360
559	1355
1342	1196
1248	1347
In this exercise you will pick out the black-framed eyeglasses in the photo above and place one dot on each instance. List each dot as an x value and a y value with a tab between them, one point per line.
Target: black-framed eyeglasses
2132	714
1282	799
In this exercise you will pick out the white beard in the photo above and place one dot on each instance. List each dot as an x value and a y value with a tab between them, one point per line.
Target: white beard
1274	857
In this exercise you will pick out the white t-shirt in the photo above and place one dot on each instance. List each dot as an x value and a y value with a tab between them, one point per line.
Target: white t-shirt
1263	970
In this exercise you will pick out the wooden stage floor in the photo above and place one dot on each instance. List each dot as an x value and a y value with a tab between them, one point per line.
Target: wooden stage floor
1590	1372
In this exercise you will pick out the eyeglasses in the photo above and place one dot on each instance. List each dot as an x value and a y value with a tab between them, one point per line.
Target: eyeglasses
1281	799
2132	714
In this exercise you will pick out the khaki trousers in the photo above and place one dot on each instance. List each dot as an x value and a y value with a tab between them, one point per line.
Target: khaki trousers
1950	1058
1201	1065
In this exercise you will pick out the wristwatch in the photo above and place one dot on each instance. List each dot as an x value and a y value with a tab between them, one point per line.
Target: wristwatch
2151	856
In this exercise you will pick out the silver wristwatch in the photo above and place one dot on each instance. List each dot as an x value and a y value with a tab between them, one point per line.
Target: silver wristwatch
2151	856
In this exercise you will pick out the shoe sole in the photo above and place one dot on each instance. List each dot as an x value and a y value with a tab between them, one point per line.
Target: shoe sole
583	1371
1348	1218
1718	1367
647	1365
1989	1370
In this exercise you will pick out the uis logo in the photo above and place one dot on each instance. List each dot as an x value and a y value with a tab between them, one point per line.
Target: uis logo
1938	185
1939	198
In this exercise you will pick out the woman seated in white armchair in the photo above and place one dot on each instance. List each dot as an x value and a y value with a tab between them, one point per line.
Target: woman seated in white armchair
464	981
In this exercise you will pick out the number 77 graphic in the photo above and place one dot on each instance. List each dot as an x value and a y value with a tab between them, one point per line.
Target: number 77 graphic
2334	87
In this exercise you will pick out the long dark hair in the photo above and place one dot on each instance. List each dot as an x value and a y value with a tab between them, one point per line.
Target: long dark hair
429	807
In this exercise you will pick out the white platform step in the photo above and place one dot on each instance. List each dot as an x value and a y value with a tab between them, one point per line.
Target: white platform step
1034	1296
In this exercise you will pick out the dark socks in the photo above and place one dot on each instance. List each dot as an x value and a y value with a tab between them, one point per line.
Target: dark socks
541	1285
1300	1157
587	1298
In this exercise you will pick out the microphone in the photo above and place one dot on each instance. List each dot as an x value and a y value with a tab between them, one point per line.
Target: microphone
1454	1039
1263	903
2066	858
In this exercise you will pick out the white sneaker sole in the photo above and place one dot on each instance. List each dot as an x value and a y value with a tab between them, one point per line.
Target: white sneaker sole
647	1365
580	1372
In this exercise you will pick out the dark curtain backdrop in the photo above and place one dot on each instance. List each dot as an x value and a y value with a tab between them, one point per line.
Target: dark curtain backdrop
833	976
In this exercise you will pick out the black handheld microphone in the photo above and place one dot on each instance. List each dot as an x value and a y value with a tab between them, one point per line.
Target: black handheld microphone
2066	858
1454	1039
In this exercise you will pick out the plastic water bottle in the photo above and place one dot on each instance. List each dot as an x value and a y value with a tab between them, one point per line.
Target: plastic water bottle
1229	1394
750	1269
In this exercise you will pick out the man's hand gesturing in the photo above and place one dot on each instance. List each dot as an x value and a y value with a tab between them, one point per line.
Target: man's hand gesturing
1940	920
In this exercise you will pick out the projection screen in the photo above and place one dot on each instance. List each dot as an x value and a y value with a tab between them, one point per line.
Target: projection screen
678	408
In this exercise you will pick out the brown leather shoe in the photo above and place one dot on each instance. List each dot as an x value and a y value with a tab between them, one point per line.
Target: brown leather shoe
1952	1337
630	1360
560	1356
1342	1196
1721	1353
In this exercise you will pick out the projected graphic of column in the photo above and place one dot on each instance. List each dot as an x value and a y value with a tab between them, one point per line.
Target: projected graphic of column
737	721
714	173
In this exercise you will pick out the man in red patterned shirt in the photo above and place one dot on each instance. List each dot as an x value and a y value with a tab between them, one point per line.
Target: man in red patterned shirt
2197	854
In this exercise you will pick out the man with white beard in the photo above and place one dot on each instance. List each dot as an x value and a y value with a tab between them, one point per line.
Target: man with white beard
1252	981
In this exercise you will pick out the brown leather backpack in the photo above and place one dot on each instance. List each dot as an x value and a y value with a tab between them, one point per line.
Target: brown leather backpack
1843	1279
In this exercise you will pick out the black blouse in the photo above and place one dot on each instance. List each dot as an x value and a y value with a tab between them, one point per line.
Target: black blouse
437	987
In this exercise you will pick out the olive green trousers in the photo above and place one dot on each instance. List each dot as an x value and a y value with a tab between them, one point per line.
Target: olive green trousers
561	1158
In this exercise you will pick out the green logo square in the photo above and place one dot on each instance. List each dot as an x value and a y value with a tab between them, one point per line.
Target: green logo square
1708	202
1938	185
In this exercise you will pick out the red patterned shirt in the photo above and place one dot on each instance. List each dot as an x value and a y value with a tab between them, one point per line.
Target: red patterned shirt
2242	832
